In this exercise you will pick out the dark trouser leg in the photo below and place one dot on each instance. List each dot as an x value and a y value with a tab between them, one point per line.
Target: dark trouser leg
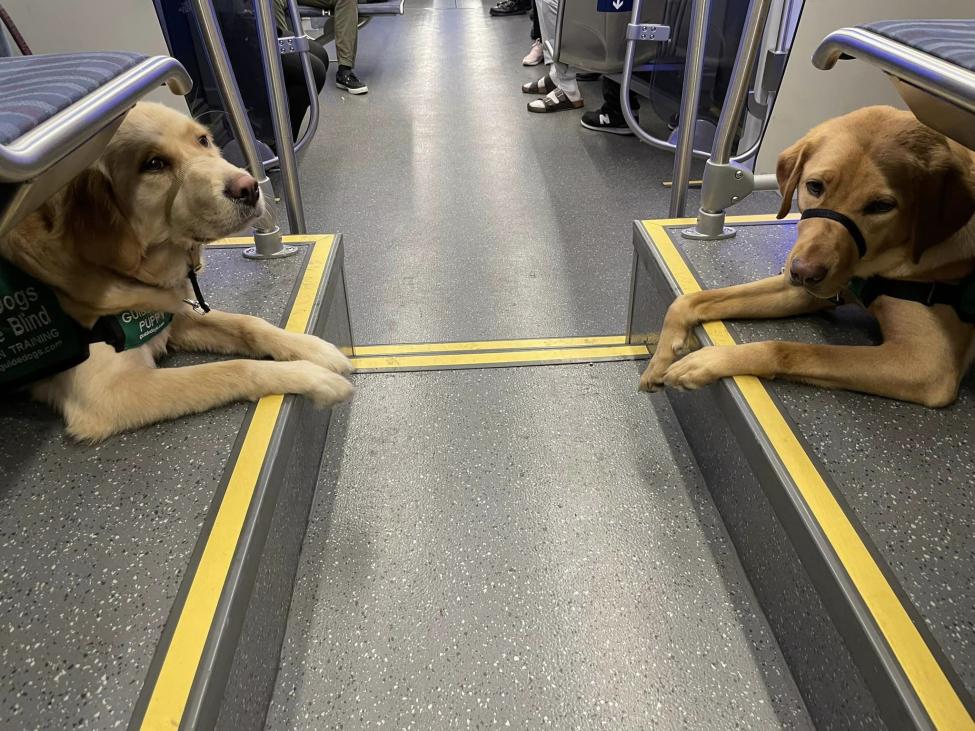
611	99
294	79
346	14
536	31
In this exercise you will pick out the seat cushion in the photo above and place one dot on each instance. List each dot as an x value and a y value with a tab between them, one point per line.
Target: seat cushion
35	88
950	40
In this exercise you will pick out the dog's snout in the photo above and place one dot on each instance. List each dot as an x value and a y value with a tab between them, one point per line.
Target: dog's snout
805	273
243	187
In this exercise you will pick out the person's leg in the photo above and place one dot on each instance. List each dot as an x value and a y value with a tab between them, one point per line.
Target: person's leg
563	75
535	54
294	80
346	14
609	117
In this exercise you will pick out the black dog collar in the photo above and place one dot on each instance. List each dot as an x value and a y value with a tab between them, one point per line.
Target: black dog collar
846	221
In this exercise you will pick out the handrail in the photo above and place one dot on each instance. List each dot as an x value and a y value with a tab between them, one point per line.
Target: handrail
313	99
693	66
625	83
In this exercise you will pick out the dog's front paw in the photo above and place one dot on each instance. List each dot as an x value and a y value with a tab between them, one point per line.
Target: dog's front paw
697	369
653	376
326	388
323	353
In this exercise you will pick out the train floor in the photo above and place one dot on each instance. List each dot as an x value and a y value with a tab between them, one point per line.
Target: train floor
509	546
523	547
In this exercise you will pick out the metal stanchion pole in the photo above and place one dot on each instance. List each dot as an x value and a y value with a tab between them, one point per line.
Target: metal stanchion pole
274	78
689	102
267	234
724	182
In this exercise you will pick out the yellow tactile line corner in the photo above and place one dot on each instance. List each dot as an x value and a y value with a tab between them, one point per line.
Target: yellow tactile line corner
171	691
925	674
504	357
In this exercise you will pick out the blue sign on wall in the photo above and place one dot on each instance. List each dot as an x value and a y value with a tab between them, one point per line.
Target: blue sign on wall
614	6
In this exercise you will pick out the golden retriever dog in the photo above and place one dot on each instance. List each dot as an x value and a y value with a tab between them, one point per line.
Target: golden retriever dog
123	237
910	192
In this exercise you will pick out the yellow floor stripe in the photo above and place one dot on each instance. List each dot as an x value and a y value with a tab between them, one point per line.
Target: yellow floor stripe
172	689
477	345
757	218
506	357
925	674
287	239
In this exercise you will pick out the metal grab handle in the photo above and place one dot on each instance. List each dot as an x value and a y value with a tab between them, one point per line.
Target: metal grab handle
693	71
313	99
625	83
734	102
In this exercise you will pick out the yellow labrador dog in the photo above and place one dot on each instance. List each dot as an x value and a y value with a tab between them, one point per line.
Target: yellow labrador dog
122	237
887	220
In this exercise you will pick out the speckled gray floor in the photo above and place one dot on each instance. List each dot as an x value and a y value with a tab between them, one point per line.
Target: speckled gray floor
907	472
521	546
95	540
465	217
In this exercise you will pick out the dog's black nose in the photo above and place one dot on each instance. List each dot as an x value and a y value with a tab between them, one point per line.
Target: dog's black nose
803	273
243	187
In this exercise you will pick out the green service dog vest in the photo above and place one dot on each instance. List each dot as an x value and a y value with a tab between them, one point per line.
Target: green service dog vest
38	339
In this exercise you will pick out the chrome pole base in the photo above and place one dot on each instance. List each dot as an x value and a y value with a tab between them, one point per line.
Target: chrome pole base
710	227
285	251
267	245
692	233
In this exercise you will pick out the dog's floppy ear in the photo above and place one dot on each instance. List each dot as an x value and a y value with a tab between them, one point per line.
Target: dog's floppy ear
945	197
788	170
97	225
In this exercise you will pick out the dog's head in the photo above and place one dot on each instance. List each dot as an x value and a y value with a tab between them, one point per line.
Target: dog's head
161	182
903	185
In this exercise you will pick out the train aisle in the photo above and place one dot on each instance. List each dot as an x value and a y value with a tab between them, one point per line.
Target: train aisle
508	546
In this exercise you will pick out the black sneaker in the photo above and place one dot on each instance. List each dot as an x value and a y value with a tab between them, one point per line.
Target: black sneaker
347	80
603	121
511	7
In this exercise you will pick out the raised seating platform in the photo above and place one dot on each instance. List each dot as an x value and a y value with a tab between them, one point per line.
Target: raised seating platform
854	516
149	577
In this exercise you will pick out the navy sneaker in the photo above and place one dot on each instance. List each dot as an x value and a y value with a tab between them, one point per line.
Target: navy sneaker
604	121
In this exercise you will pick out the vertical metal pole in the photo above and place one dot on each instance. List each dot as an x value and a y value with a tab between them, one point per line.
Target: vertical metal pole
734	103
689	102
267	235
725	183
278	96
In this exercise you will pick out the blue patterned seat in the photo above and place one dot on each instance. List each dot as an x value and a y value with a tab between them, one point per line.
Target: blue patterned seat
950	40
35	88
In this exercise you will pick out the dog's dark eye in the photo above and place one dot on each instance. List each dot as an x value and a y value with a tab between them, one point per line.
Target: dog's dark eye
815	188
204	140
154	165
877	207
